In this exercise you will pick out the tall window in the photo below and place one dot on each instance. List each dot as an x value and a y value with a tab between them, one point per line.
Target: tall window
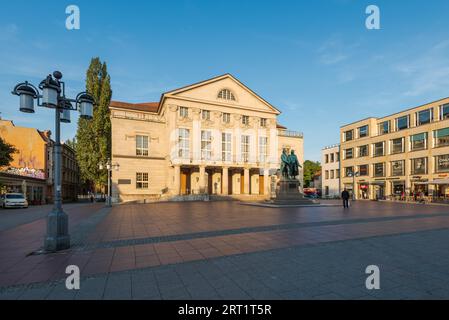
397	145
423	117
141	145
402	123
379	170
245	120
418	141
442	163
263	122
205	114
384	127
226	146
363	170
332	174
183	112
326	158
419	166
363	151
184	143
226	117
349	153
326	174
349	171
444	111
206	145
363	131
245	148
349	135
141	180
226	94
379	149
332	157
397	168
441	137
263	149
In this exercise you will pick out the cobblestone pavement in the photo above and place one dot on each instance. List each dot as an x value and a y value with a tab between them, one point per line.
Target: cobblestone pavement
229	251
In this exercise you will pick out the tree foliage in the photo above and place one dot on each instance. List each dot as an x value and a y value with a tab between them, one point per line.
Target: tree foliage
93	137
310	168
6	152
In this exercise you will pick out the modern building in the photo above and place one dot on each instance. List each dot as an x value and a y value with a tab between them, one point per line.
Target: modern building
330	171
212	137
31	171
403	154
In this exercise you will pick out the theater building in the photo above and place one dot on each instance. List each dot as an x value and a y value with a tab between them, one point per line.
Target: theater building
215	137
403	154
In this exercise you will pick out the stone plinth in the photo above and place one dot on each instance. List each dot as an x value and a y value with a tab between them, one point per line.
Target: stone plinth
288	193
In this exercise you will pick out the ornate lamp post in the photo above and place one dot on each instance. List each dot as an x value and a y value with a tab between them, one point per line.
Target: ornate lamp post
109	166
53	96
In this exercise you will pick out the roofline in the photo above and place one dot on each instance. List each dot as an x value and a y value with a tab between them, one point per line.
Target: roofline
408	109
212	80
331	146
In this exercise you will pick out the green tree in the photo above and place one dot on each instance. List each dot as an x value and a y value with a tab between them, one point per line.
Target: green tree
6	152
93	137
310	168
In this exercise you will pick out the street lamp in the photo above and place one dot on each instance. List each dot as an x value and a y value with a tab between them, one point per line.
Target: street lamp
109	166
353	175
53	96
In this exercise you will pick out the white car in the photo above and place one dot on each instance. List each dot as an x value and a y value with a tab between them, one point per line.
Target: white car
13	200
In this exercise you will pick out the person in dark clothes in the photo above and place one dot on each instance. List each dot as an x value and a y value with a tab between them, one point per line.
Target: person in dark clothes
345	197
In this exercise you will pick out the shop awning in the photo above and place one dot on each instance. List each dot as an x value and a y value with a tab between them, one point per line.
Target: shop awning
435	182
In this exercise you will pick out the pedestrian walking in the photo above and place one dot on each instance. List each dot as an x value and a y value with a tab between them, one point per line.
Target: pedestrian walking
345	197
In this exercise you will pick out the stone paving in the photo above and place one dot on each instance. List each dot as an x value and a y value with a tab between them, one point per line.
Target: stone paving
229	251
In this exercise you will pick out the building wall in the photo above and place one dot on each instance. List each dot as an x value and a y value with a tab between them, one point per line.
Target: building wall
330	171
389	184
30	144
172	173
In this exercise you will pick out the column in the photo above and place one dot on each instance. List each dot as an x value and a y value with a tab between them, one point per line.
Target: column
202	181
224	181
266	182
177	180
246	181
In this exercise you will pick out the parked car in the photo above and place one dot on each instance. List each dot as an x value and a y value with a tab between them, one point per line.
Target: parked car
13	200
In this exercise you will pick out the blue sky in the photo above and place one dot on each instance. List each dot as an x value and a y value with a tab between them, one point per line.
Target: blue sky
314	60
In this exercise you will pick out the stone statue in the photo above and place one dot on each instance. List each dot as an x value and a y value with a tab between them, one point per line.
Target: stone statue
293	164
285	164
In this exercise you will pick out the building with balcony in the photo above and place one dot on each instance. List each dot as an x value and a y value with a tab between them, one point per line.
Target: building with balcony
212	137
330	171
403	154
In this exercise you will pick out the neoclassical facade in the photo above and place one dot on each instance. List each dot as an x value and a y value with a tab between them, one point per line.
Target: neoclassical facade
214	137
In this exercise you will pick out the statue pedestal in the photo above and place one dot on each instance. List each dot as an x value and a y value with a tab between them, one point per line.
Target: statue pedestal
288	193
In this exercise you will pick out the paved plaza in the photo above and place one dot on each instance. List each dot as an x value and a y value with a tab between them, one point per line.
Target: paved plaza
225	250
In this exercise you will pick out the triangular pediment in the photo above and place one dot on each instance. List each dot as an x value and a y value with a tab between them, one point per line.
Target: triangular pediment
208	91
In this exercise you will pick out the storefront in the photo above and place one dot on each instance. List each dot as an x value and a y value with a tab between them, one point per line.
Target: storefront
363	190
378	190
398	188
420	187
34	189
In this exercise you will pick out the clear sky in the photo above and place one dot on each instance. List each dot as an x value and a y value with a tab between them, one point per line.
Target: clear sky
314	60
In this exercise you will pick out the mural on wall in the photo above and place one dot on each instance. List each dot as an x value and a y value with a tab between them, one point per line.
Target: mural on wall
26	172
